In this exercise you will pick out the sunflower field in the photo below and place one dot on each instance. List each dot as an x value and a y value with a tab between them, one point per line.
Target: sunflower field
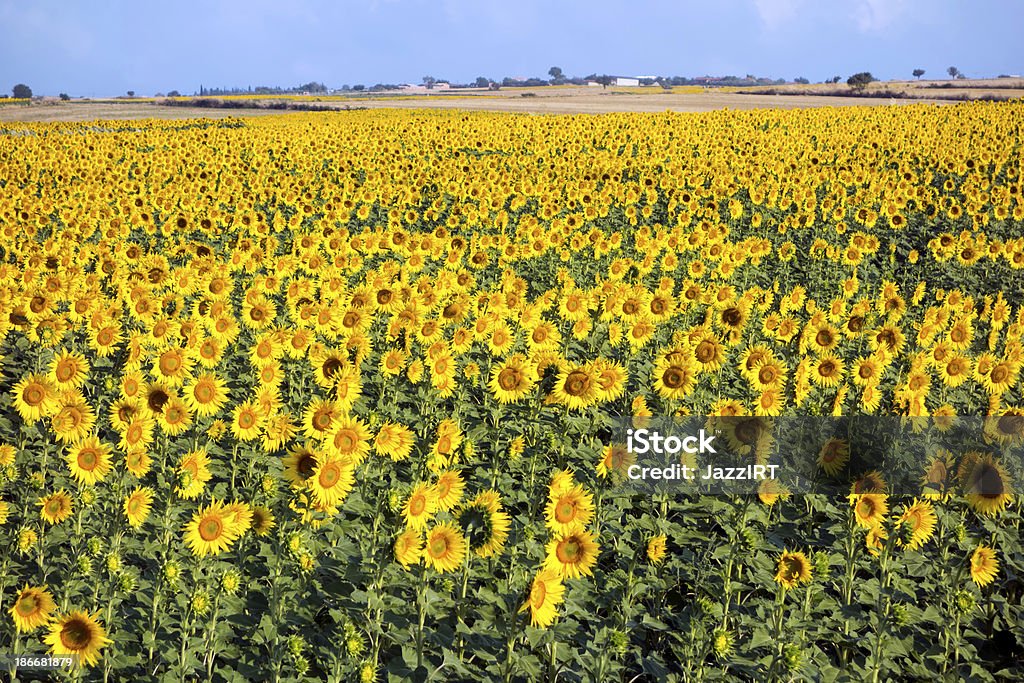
334	396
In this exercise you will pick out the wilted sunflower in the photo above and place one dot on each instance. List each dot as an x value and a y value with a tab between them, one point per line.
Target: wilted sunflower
32	608
937	476
793	569
984	565
78	633
546	593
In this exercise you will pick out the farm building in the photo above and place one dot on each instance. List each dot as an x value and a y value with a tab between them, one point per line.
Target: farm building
627	81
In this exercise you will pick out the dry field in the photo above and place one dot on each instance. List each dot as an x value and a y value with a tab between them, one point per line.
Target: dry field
533	100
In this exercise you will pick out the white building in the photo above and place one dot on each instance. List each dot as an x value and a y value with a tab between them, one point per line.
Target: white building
627	81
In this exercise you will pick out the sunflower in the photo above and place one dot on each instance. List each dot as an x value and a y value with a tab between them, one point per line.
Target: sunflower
656	548
35	397
137	506
32	608
445	548
319	418
332	480
262	520
511	380
986	484
569	509
175	417
74	419
708	351
394	441
420	506
866	371
870	509
172	367
409	548
193	473
936	480
137	462
875	539
674	375
1006	429
984	565
206	395
349	439
55	507
78	634
448	490
89	460
793	569
770	491
546	593
833	456
299	465
573	554
919	518
827	370
615	460
245	421
211	530
486	523
69	369
871	482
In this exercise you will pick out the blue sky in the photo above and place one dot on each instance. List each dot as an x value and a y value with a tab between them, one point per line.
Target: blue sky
107	47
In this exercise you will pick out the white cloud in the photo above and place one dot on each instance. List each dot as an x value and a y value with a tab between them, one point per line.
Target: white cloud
776	13
873	16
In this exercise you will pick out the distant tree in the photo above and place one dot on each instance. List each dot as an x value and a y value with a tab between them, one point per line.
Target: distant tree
359	87
860	80
918	73
131	93
482	82
429	82
836	79
556	75
65	97
21	92
801	80
605	80
953	72
174	93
